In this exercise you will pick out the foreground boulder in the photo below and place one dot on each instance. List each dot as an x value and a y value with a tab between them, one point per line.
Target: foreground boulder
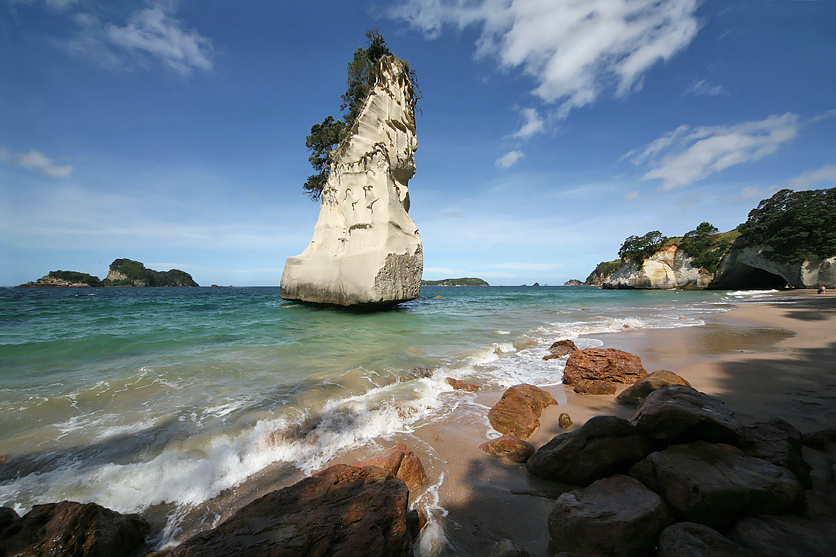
403	463
603	364
366	250
782	536
343	510
517	414
716	485
637	392
689	539
680	414
613	516
603	446
778	442
69	529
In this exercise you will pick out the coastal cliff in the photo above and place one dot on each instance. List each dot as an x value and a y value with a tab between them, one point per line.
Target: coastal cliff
122	272
667	268
366	250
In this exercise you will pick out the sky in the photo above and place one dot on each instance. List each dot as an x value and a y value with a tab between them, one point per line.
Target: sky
173	132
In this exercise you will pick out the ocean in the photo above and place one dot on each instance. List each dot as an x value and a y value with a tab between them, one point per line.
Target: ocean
176	402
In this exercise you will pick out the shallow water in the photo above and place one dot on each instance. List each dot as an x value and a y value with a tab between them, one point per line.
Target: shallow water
149	399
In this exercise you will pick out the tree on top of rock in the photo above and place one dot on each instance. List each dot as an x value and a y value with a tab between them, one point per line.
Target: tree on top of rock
326	136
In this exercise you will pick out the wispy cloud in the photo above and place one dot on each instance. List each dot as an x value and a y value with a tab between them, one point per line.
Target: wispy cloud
632	195
687	155
149	34
37	162
574	49
533	124
509	159
701	88
825	174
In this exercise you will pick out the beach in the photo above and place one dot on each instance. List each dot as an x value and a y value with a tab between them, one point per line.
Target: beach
769	359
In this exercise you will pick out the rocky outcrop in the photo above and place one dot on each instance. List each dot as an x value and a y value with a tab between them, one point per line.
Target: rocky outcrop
343	510
517	414
366	250
403	463
603	364
70	529
668	268
613	516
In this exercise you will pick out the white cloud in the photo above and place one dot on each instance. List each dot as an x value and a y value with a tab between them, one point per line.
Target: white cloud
509	159
37	162
631	195
825	174
533	124
701	88
151	33
687	155
574	49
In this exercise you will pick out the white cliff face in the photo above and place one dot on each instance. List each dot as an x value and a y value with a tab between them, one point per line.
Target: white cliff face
669	268
365	248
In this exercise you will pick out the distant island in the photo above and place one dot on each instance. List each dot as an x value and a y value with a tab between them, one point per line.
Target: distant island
122	272
466	281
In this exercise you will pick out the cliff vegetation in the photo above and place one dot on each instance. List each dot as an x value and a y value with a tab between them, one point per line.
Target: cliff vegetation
126	272
466	281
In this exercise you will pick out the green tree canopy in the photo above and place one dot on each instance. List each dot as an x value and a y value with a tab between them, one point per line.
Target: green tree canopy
638	248
794	226
326	136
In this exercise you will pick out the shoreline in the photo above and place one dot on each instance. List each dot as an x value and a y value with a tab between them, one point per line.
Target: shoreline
770	359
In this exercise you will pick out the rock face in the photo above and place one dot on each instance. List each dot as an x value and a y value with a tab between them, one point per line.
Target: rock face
668	268
343	510
517	414
403	463
613	516
749	265
603	364
366	250
70	529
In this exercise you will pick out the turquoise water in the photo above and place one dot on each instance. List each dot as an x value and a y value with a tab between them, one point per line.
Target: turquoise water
140	397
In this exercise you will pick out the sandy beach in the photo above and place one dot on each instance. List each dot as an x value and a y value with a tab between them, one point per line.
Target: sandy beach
772	358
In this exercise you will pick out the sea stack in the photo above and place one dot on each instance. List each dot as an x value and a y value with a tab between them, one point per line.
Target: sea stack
366	251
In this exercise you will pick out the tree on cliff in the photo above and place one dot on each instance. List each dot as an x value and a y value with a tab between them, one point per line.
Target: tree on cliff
705	246
326	136
639	248
795	226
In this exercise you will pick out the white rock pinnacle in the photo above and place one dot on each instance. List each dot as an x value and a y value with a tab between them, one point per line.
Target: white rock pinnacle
365	248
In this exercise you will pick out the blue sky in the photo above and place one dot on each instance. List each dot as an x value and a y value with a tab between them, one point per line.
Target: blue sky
173	132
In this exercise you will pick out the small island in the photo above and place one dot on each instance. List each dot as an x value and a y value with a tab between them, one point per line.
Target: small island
466	281
122	272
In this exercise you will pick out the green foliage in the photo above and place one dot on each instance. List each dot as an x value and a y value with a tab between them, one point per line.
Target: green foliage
136	273
606	268
75	277
466	281
325	137
794	226
638	248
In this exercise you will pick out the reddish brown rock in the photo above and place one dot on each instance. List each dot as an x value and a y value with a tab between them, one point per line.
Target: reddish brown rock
460	385
636	393
587	387
560	348
515	450
69	529
343	510
517	414
564	421
603	446
603	364
403	463
613	516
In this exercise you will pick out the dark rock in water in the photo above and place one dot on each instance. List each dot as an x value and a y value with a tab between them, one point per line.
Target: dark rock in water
785	536
515	450
343	510
689	539
603	446
680	414
613	516
7	516
587	387
564	421
778	442
416	519
561	348
603	364
460	385
517	414
637	392
716	484
507	548
403	463
70	529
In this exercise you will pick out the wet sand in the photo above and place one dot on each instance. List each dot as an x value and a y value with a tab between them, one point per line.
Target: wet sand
775	358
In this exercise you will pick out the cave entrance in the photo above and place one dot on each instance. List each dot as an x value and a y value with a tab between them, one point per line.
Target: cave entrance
751	278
